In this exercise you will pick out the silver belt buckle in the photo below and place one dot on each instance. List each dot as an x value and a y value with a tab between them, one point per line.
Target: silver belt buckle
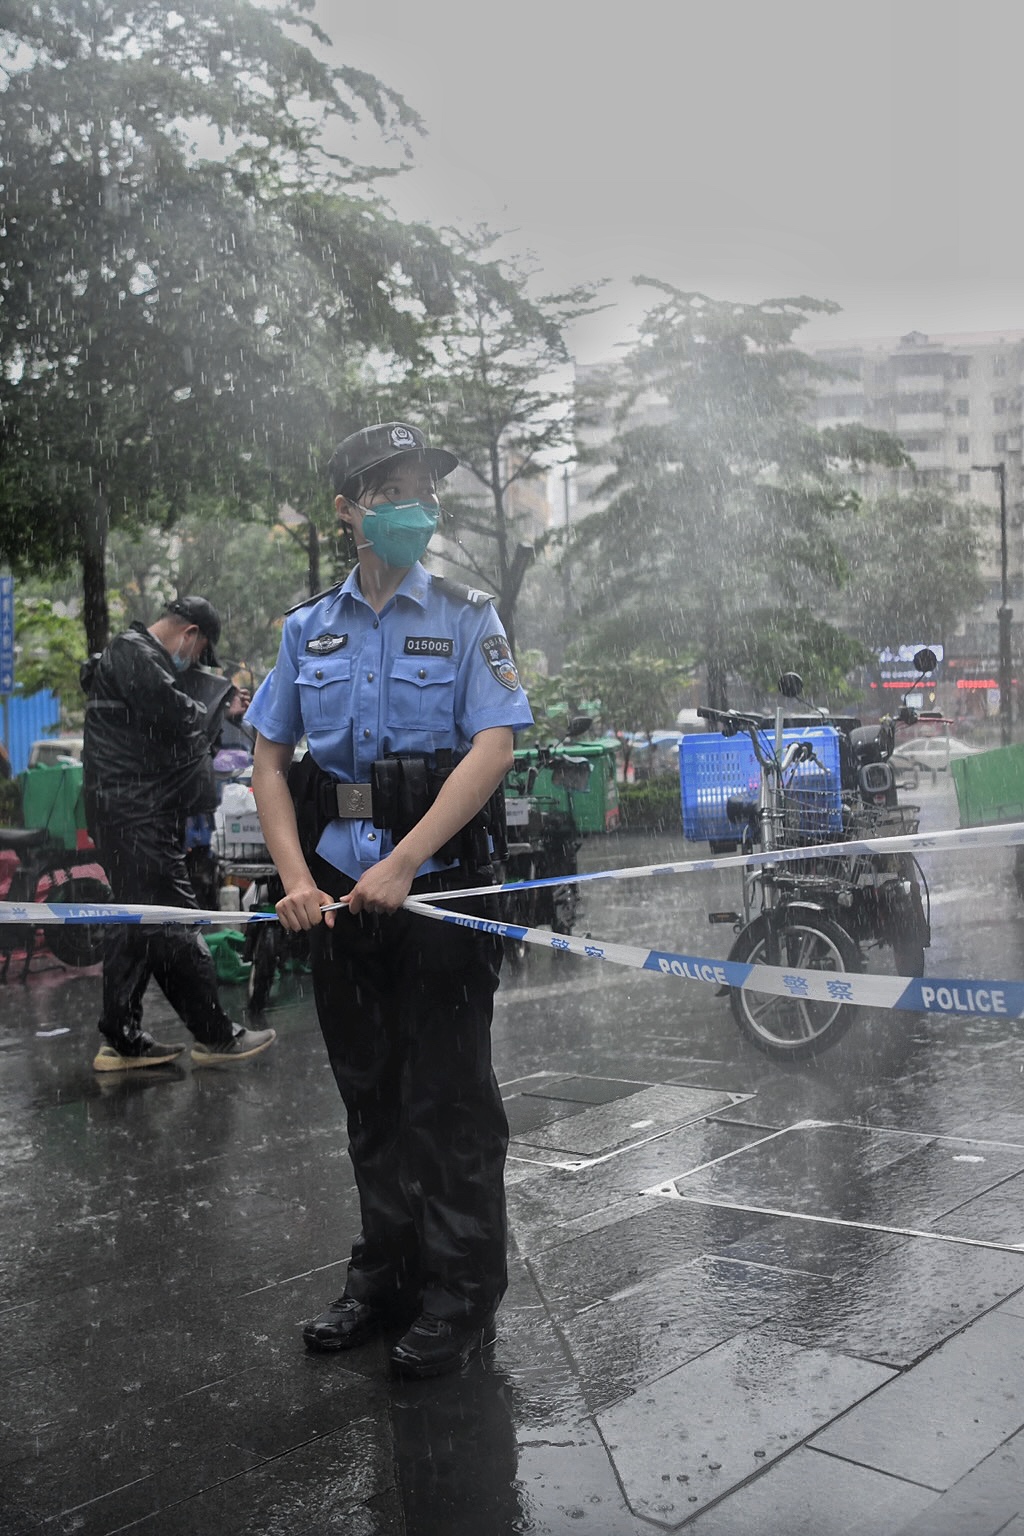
354	801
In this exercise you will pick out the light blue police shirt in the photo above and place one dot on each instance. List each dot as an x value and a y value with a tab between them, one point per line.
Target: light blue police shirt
428	672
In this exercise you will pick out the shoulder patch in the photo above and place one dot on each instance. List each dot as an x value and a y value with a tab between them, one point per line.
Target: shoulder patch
498	656
455	589
308	601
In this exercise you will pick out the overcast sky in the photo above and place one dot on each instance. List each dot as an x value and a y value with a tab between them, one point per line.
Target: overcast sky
868	153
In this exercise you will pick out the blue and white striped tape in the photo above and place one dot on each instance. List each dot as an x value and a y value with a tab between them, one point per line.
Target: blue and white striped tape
1002	998
1010	834
956	996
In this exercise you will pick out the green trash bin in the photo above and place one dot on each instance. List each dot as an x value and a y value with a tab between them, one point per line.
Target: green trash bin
990	786
51	797
593	799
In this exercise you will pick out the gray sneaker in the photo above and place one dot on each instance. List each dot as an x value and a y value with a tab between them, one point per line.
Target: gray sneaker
248	1042
146	1053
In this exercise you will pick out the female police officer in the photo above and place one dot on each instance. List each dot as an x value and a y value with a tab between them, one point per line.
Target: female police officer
400	668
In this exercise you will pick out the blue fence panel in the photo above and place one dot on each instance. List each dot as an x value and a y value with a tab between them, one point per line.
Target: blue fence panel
27	719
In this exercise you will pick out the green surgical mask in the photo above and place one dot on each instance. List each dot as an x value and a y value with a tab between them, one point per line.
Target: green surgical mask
399	532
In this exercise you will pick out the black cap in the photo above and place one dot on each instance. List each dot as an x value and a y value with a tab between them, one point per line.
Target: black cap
196	610
373	446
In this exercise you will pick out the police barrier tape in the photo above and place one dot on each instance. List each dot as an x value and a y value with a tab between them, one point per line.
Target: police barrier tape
42	914
957	996
932	995
1006	835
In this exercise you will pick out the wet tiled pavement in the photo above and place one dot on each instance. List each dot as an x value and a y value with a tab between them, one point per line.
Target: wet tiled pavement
743	1299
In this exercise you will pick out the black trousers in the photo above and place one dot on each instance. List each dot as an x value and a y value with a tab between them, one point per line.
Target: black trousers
405	1006
145	863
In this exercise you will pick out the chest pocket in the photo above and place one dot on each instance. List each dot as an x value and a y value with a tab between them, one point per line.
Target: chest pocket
421	694
325	690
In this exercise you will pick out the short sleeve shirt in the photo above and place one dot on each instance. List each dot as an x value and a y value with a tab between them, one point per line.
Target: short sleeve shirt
428	672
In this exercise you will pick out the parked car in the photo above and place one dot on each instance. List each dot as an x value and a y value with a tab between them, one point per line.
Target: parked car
934	751
905	771
55	749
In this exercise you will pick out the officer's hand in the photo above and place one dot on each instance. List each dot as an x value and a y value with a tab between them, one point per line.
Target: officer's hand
300	909
383	888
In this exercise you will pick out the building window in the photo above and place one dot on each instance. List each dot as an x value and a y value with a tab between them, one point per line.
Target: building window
963	407
999	367
999	404
963	368
963	445
963	482
999	442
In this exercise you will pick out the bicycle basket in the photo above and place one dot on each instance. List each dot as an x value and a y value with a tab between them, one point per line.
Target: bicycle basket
884	820
714	769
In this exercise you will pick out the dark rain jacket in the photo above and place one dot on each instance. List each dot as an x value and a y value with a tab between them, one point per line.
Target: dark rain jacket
147	748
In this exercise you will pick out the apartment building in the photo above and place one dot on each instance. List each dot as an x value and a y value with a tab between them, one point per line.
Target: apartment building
955	401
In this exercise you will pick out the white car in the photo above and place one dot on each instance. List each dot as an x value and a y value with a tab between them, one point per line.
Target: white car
55	750
935	751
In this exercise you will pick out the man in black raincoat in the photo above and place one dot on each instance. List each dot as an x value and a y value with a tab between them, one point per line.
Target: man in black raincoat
148	766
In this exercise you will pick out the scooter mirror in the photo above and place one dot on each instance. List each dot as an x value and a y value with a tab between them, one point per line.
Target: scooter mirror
791	685
579	725
925	660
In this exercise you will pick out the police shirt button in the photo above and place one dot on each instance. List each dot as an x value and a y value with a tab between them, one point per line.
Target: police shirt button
318	672
376	623
366	734
422	672
369	677
371	837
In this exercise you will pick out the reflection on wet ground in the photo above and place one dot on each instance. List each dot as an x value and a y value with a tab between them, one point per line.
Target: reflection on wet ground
743	1297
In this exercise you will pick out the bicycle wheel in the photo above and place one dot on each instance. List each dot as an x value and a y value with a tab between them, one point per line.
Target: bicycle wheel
793	1028
907	925
73	943
265	954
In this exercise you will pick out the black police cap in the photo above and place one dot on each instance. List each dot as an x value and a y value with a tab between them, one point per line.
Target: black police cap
372	447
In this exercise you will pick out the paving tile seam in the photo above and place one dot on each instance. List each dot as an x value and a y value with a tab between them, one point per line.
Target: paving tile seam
580	1164
669	1192
306	1274
866	1466
989	1189
559	1333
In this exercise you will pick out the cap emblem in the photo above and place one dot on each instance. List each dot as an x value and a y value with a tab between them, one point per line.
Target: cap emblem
401	437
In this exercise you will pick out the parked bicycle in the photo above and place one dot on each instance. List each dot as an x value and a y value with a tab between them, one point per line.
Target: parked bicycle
818	913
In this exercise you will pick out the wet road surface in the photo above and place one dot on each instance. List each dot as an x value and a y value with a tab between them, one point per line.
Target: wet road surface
744	1297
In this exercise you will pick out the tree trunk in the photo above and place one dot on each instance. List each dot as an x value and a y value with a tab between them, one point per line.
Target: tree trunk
718	687
93	555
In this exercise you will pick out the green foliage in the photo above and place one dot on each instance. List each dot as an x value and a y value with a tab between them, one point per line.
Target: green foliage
493	391
914	565
653	806
50	650
177	325
721	540
250	572
10	803
637	693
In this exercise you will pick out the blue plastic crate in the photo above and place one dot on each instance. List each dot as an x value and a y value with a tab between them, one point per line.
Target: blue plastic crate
714	768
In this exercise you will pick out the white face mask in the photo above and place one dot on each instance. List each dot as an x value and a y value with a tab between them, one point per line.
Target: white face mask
181	663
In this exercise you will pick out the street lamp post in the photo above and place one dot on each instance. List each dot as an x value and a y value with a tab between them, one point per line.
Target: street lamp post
1005	613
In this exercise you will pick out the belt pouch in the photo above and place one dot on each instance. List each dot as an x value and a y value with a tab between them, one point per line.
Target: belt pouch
384	778
310	788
